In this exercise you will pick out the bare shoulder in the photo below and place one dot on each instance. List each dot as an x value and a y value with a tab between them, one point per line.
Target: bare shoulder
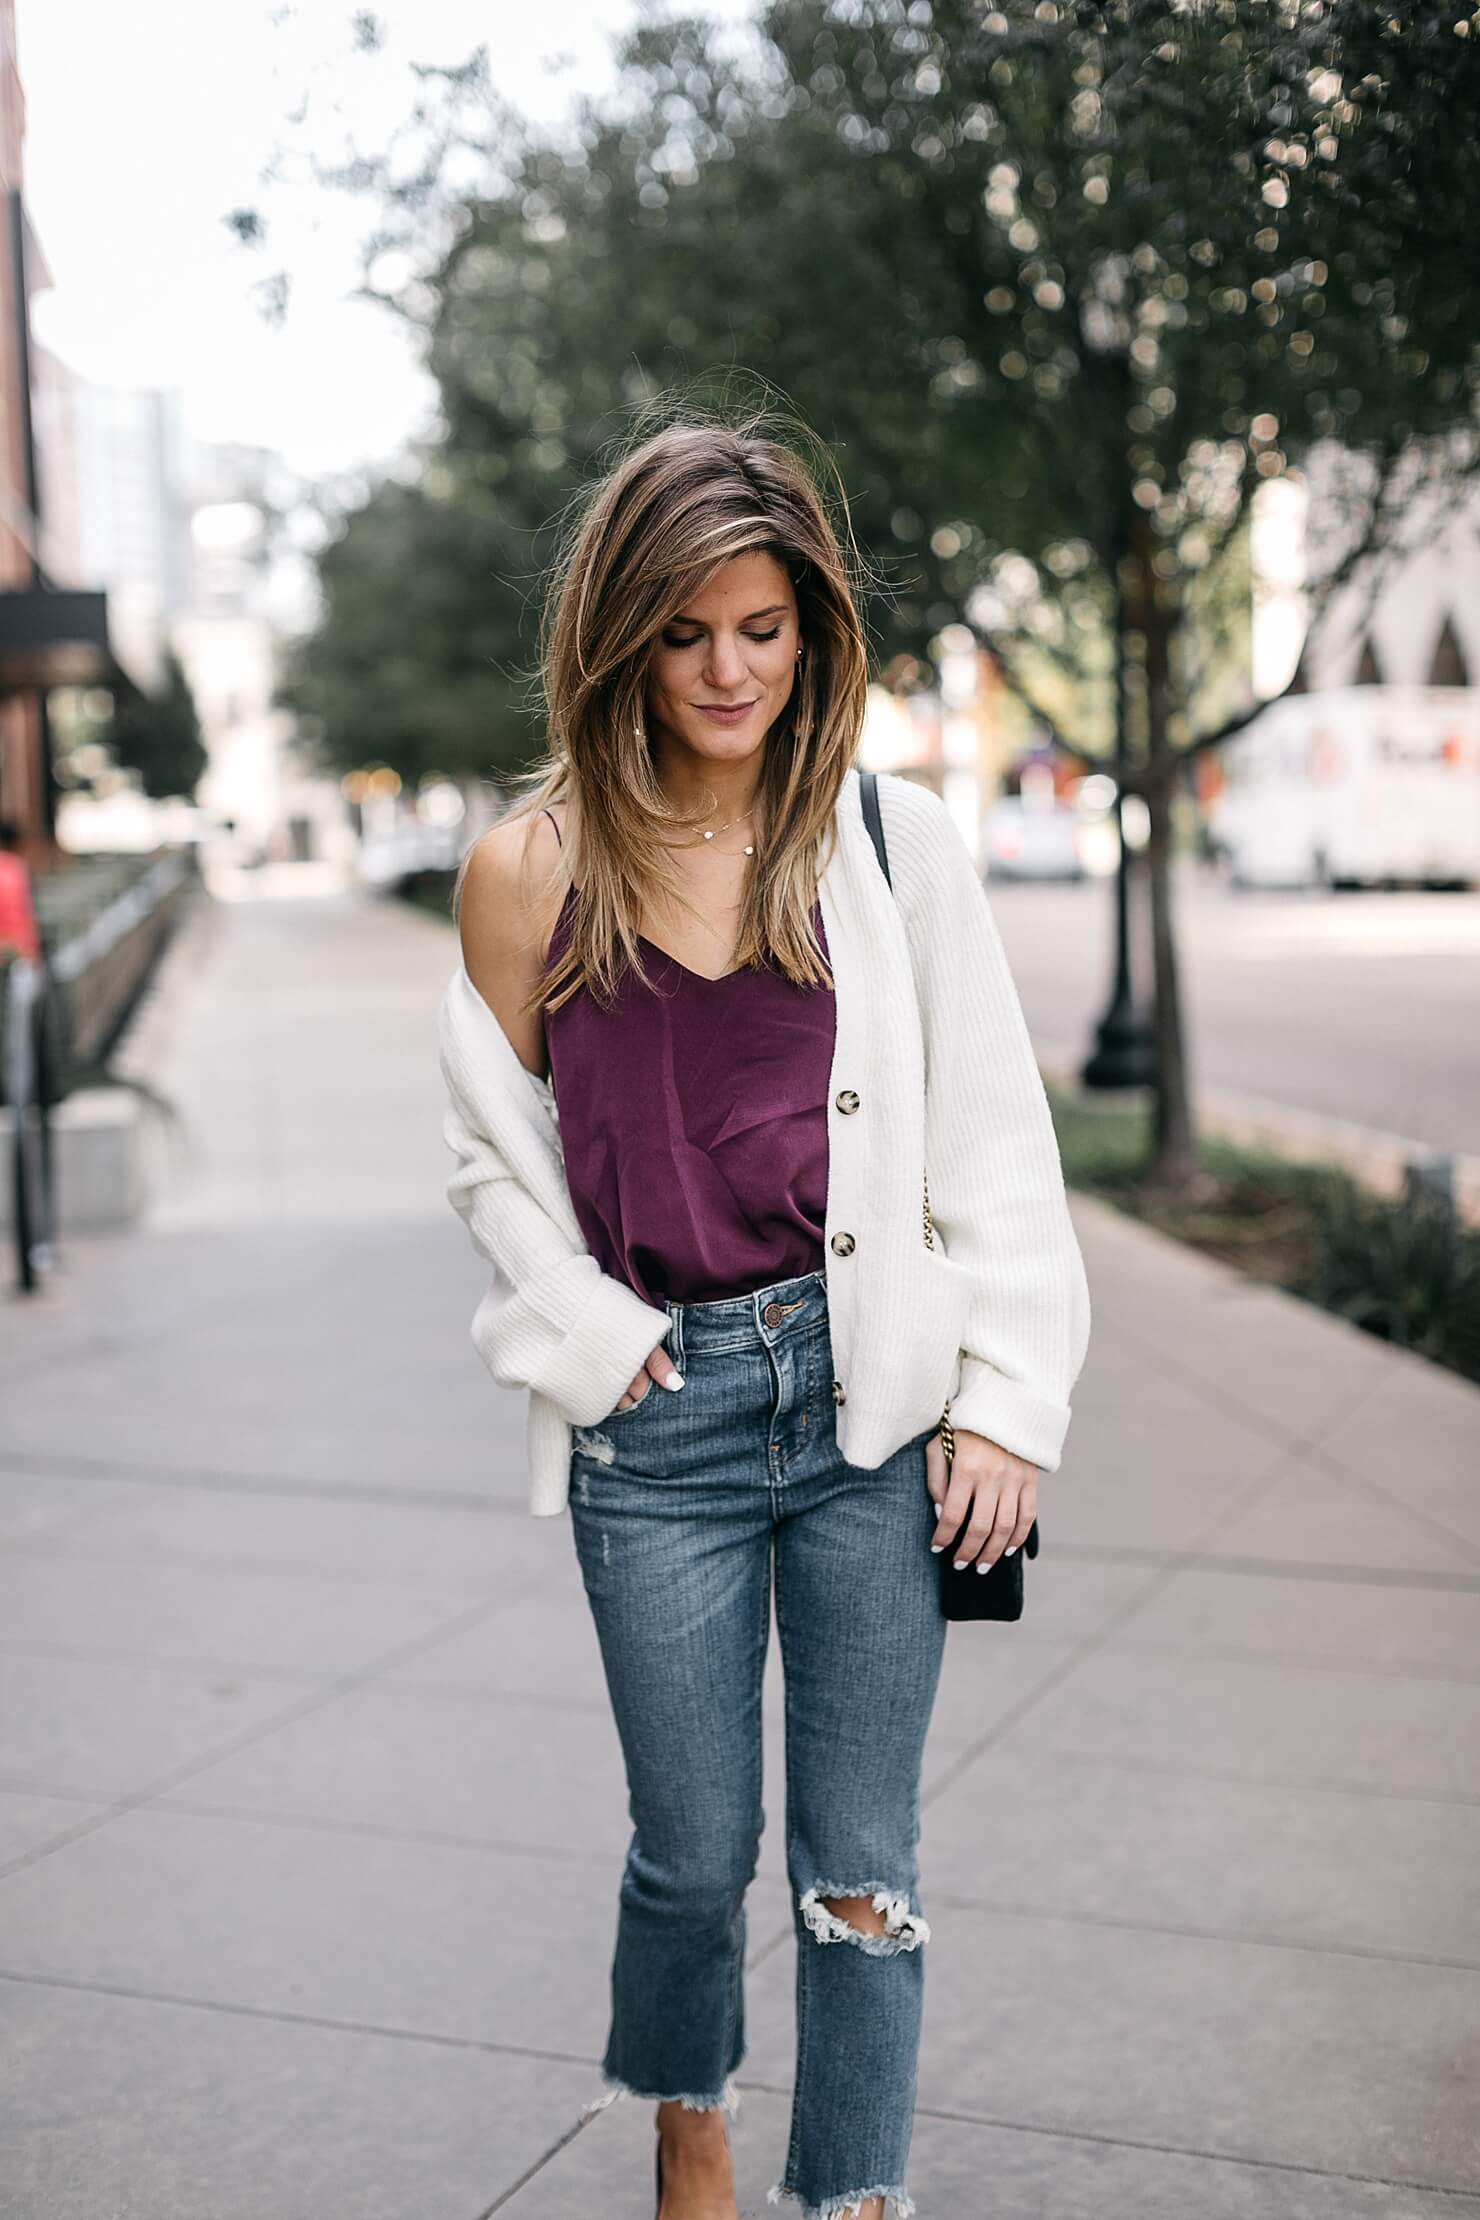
506	914
504	883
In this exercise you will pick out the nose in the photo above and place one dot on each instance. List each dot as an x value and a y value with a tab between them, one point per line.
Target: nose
726	669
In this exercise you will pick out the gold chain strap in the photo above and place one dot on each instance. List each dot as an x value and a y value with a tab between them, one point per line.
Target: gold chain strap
947	1432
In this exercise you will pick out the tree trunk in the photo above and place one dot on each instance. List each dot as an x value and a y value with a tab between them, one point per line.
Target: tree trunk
1173	1172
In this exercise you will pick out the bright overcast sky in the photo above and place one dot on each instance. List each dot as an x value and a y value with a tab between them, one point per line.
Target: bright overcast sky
149	122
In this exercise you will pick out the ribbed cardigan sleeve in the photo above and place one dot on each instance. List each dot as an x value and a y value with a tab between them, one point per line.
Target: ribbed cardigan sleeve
992	1157
552	1319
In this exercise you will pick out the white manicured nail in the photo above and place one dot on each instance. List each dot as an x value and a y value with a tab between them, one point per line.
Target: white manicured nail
1011	1550
674	1380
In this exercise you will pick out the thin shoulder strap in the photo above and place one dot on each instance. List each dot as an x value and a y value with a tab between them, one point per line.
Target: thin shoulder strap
868	782
551	815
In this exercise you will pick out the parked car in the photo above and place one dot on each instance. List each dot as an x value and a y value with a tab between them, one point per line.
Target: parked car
1037	839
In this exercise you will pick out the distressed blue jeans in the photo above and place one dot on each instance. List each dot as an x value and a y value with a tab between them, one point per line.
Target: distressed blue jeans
681	1507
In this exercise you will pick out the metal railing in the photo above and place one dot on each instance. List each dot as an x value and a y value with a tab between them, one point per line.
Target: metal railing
59	1021
101	969
29	1036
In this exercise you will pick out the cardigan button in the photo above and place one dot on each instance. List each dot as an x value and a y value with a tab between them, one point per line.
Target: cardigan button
840	1393
843	1244
846	1100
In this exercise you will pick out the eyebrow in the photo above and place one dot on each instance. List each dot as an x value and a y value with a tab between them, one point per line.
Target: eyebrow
777	609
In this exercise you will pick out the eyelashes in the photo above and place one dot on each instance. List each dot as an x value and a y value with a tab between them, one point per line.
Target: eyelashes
758	637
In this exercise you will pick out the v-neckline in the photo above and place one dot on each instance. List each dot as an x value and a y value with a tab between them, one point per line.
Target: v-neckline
707	978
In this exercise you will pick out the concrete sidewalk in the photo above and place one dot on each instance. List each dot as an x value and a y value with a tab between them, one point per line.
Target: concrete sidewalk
311	1808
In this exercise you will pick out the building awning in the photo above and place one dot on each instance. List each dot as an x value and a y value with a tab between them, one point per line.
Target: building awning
54	636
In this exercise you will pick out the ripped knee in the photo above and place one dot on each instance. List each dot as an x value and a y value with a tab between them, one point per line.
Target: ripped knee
876	1920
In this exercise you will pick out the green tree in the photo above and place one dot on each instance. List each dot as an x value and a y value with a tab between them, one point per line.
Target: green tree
1063	283
420	658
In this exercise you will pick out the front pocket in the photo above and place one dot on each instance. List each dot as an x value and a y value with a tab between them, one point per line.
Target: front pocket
930	1321
615	1418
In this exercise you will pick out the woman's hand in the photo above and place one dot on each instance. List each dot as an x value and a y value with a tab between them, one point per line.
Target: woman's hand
659	1366
998	1489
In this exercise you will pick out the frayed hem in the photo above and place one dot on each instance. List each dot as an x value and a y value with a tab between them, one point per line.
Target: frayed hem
836	2208
728	2099
903	1929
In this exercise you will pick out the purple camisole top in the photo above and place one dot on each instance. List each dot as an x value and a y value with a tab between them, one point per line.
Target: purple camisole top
693	1121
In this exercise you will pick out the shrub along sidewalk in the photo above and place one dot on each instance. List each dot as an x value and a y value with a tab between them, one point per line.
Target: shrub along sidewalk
1404	1268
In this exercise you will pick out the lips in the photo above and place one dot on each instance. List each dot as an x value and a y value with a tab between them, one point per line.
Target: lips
727	714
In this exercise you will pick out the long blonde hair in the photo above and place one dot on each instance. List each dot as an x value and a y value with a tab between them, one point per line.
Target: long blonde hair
637	546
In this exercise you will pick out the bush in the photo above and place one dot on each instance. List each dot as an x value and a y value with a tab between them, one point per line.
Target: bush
429	890
1407	1272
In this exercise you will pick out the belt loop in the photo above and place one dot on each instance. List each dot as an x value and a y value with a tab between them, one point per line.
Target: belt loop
674	1336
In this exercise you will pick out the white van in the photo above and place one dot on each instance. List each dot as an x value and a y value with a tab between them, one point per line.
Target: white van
1356	786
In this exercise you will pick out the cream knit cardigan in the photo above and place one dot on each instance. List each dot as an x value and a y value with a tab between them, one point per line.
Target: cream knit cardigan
931	1039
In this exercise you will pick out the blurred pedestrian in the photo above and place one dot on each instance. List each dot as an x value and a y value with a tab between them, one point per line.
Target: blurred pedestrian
702	1058
19	932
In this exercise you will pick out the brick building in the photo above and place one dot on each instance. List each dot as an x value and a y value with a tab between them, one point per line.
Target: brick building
50	634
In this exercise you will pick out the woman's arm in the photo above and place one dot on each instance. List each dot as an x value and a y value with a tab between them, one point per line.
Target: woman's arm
505	918
552	1320
996	1180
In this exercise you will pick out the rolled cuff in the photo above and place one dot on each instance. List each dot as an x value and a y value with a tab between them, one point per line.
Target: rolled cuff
1015	1417
602	1346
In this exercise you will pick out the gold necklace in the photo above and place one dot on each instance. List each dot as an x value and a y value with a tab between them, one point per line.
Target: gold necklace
749	848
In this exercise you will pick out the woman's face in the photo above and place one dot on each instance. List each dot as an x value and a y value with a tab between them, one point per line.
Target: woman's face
733	648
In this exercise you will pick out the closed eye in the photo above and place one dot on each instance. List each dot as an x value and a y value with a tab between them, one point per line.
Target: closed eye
758	637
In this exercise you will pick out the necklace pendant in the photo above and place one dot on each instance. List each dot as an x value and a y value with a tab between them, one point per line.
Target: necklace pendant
709	836
749	850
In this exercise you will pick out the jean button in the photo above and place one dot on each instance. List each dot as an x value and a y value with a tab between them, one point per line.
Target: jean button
773	1314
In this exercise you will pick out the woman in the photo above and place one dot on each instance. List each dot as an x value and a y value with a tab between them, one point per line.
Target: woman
701	1059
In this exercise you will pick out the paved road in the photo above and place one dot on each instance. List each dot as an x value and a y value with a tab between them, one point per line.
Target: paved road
1363	1007
311	1808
